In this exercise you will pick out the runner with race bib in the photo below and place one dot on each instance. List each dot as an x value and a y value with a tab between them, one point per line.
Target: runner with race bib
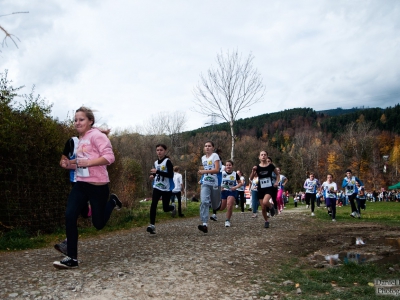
266	188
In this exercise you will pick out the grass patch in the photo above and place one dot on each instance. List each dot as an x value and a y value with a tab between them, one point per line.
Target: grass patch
387	213
20	239
348	281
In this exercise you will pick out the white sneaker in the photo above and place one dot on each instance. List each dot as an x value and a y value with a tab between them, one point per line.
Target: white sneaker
237	206
312	214
353	214
173	212
307	206
227	223
214	217
359	241
151	229
333	220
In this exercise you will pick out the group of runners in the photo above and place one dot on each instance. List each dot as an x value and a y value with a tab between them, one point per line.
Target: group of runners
87	158
353	187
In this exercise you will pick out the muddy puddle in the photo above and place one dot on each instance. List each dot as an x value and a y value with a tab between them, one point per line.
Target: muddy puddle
383	250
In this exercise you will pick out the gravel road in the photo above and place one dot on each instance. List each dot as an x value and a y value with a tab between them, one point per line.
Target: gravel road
179	262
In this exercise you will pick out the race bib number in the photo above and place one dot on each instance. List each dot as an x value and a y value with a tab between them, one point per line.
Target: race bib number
265	182
349	189
226	185
330	194
82	172
209	179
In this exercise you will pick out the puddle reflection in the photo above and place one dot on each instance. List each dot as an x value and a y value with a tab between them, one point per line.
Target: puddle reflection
360	258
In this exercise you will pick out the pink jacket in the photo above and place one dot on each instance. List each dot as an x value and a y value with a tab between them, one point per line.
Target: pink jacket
92	145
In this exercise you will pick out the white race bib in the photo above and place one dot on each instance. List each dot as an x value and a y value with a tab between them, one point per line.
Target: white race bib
82	172
265	182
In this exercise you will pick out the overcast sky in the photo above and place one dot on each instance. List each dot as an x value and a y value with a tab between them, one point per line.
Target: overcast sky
130	60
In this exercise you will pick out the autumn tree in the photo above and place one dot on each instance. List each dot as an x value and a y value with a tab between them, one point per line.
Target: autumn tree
229	88
356	144
394	159
333	166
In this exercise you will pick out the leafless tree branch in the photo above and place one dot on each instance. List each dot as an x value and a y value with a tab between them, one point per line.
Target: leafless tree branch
229	88
8	35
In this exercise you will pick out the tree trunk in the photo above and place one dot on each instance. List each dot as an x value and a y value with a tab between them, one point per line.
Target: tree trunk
233	141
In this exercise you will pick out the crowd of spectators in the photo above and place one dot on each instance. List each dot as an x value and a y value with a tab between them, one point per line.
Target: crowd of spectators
372	196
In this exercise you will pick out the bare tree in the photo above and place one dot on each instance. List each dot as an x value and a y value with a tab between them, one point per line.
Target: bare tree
166	123
228	89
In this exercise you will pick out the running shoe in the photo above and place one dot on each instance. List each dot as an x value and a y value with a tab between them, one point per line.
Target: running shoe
203	228
353	214
118	203
307	206
227	223
173	212
61	247
266	225
333	220
214	217
272	211
312	214
254	216
66	263
151	228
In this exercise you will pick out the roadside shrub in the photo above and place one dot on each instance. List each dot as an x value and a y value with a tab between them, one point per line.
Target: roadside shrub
33	187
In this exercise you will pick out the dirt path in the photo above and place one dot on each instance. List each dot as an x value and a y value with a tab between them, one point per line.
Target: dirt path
180	262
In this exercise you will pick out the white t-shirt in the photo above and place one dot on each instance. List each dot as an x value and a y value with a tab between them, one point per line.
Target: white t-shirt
177	182
282	180
329	189
209	164
243	180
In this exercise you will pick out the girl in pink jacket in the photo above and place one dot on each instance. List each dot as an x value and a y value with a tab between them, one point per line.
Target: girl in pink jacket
93	155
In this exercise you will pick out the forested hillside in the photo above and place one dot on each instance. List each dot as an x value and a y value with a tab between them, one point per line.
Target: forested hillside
299	140
329	120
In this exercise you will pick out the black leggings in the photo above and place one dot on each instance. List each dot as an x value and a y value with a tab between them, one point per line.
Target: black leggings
352	203
241	199
311	197
102	207
360	204
165	197
179	196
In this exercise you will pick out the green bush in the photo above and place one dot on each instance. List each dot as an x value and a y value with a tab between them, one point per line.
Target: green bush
33	188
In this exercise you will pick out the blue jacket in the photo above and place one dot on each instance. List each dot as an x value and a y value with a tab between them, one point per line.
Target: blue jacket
351	187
